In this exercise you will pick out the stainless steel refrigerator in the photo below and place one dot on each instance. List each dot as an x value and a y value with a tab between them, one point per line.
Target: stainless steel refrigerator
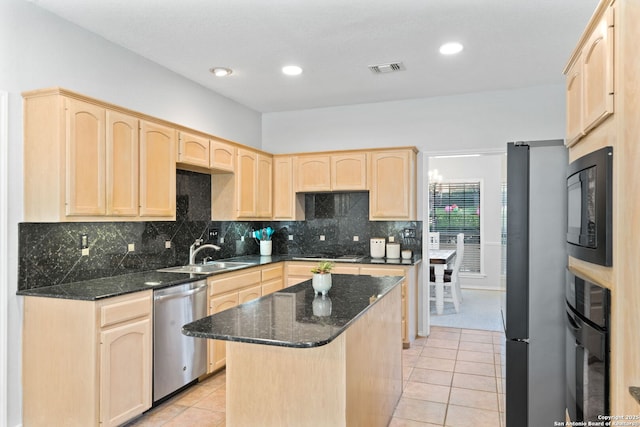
533	307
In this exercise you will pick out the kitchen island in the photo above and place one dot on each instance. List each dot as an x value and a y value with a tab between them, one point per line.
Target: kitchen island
297	359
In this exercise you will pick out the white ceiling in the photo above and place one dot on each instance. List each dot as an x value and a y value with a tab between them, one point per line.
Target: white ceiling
508	44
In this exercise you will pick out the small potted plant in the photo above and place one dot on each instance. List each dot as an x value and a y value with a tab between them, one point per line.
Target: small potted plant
321	280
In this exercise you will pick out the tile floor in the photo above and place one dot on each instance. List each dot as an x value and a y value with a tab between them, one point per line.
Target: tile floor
452	378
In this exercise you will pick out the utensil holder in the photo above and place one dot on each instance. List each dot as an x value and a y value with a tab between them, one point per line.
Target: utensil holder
265	247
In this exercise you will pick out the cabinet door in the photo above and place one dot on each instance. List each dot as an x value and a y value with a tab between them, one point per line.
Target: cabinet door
272	286
85	162
223	156
218	348
574	102
157	170
249	294
264	186
122	164
193	150
246	183
125	372
283	194
313	173
597	58
349	172
392	186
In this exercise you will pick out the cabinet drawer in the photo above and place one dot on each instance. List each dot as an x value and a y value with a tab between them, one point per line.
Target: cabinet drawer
383	271
233	282
130	307
345	269
269	273
272	286
300	269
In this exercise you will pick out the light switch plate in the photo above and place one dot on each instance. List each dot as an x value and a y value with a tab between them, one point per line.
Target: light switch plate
85	252
167	244
131	247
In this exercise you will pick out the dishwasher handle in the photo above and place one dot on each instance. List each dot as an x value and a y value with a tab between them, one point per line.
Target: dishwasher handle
183	294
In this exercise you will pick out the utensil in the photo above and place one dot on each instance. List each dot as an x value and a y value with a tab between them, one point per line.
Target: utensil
269	232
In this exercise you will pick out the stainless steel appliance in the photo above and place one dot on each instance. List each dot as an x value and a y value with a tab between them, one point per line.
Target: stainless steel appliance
534	312
587	349
590	213
177	359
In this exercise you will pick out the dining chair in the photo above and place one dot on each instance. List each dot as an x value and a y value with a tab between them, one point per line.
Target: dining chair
453	292
434	240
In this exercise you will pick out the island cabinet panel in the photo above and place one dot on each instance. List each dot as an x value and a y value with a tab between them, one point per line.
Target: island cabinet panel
157	170
392	187
193	150
217	349
337	384
86	363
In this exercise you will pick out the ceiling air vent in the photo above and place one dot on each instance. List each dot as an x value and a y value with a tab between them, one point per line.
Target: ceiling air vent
387	68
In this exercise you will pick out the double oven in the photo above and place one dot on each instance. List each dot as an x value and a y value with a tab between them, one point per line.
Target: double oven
588	329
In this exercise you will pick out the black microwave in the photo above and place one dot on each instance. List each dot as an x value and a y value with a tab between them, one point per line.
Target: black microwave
589	207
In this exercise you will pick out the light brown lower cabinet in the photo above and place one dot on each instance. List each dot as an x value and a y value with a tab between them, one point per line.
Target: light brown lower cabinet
231	289
86	363
298	271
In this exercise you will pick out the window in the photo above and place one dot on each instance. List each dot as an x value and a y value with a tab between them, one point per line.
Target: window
455	208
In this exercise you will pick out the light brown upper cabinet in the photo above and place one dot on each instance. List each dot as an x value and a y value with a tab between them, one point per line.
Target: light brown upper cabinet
331	172
223	156
349	172
313	173
81	159
253	184
193	150
392	187
287	205
590	80
157	170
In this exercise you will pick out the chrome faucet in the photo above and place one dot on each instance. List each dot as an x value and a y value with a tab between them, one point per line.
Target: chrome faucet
193	251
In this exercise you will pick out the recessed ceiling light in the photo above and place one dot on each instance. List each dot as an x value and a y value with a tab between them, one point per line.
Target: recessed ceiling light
221	71
291	70
451	48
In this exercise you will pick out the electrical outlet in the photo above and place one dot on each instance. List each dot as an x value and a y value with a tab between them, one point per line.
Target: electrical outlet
290	236
242	238
322	237
392	239
84	241
131	247
356	238
214	234
167	244
85	252
221	241
409	233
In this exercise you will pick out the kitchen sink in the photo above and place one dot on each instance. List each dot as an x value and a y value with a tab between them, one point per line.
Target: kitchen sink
211	267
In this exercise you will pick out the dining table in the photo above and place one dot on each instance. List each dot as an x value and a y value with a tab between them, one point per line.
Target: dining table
439	259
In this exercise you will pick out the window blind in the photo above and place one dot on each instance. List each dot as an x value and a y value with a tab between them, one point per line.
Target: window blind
455	208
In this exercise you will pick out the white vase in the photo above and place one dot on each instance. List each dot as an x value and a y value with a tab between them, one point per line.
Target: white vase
321	306
321	283
265	247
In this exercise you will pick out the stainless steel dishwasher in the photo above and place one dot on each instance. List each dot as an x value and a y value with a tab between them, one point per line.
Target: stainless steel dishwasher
177	358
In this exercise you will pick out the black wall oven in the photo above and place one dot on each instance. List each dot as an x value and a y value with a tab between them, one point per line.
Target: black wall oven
587	348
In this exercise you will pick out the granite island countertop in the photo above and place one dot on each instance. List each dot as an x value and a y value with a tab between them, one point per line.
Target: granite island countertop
296	316
107	287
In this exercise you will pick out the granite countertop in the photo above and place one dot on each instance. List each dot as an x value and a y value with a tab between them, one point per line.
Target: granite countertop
107	287
295	316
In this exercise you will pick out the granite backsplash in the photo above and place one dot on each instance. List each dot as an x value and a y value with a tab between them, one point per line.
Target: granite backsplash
49	253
